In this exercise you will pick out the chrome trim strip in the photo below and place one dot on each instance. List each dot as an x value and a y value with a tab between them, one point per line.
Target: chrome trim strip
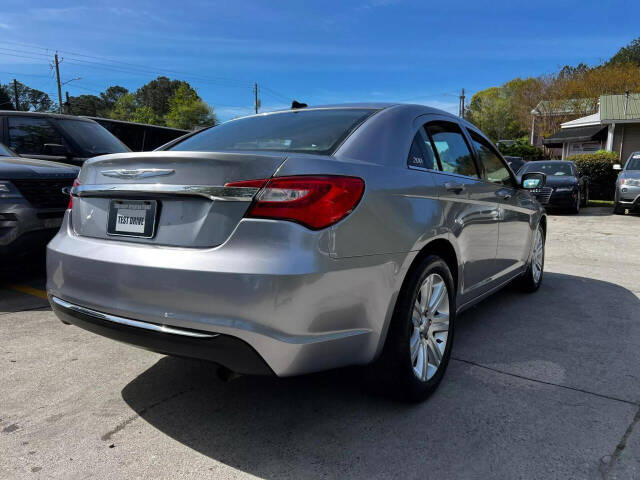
225	194
137	172
129	322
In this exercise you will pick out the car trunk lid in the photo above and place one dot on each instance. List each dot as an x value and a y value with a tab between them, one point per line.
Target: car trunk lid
193	208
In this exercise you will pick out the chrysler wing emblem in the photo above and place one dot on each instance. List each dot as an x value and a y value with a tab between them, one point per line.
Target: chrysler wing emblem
137	172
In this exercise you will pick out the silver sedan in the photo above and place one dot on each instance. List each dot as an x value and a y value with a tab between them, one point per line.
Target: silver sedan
298	241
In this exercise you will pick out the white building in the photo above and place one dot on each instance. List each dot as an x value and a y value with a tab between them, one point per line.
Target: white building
615	127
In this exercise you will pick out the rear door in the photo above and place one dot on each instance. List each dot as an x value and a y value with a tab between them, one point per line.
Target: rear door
514	232
469	209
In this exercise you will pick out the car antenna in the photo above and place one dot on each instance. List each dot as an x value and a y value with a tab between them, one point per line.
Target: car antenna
295	105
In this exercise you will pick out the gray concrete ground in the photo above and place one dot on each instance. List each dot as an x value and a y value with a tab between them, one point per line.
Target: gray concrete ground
541	386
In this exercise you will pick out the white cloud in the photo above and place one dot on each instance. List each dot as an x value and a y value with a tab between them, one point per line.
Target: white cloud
68	13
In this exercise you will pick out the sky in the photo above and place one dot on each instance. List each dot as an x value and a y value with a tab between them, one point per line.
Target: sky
318	52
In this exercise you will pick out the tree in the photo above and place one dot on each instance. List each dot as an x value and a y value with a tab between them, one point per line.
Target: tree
615	78
491	111
628	54
160	102
145	114
31	99
6	100
187	110
156	94
111	95
89	105
124	108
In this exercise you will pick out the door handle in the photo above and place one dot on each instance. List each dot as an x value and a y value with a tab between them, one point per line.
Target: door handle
454	187
504	194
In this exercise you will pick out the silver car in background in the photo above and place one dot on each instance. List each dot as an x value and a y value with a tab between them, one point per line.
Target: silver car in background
298	241
627	196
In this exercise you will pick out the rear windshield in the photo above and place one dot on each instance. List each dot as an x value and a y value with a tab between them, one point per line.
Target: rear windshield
92	138
558	169
312	131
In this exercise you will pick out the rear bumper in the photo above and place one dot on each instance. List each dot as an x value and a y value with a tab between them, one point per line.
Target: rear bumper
298	308
224	350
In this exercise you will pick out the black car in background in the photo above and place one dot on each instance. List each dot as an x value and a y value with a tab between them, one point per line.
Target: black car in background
140	137
565	187
516	163
31	202
58	138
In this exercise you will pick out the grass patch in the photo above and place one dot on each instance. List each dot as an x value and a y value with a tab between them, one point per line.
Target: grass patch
600	203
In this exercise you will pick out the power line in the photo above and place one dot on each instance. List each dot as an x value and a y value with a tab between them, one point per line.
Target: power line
70	58
25	51
22	56
145	68
26	74
124	67
129	68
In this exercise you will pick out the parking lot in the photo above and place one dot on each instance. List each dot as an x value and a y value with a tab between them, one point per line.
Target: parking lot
540	386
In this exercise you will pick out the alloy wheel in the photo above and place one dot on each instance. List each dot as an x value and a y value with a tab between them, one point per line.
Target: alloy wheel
538	255
430	333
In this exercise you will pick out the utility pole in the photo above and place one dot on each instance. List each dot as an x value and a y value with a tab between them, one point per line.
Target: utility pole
15	94
461	108
256	102
67	103
58	80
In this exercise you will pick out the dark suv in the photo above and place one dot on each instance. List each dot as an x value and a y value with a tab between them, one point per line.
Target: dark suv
60	138
31	202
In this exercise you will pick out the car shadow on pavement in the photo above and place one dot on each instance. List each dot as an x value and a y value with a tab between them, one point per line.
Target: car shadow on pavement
315	424
584	212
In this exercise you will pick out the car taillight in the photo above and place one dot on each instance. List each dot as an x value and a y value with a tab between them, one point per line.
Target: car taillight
315	201
75	184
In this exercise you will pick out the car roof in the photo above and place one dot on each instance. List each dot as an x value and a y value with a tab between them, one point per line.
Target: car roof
553	161
10	113
370	105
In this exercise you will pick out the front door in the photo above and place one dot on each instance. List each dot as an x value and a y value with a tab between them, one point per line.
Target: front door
514	233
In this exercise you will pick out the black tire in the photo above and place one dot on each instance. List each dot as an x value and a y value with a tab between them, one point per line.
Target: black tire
585	200
393	373
575	209
527	282
617	209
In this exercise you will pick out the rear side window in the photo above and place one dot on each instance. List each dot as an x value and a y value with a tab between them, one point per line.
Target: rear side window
311	131
453	151
29	134
494	168
421	154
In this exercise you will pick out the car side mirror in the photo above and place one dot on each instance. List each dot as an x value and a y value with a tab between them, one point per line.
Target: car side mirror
617	166
532	180
56	150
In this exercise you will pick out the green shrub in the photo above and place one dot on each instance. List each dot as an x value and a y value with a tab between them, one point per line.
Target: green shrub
598	167
522	149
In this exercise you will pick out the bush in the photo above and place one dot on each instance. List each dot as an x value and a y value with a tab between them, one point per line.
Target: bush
598	167
522	149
